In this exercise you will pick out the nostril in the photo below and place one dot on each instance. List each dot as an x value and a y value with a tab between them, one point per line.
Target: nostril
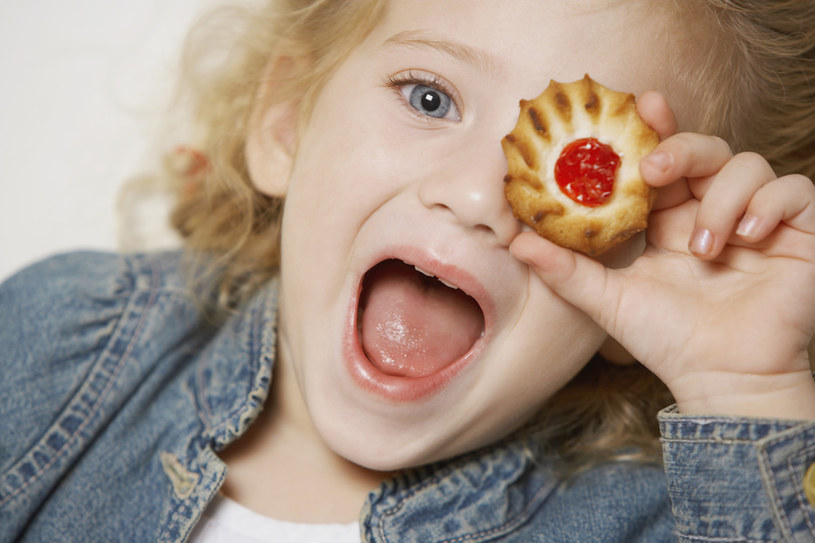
484	228
493	220
474	198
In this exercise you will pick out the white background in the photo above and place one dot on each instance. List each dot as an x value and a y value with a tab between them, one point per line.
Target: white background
82	83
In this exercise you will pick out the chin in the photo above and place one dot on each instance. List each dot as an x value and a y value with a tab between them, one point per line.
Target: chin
394	454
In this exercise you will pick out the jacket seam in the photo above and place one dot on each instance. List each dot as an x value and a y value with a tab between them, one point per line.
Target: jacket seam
519	519
216	426
71	440
802	501
775	498
722	441
510	524
701	538
768	470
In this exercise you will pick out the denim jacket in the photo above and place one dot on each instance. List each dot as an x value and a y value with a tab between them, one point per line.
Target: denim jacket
116	395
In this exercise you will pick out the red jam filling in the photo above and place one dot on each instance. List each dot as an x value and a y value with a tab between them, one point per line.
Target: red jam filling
585	171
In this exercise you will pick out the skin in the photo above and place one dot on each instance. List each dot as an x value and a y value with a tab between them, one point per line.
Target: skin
372	176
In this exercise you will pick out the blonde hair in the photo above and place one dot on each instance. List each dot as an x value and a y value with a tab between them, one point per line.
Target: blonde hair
219	213
758	82
760	78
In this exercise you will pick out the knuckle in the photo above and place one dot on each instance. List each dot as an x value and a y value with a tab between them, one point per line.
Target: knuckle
678	143
708	146
797	186
720	143
803	181
714	147
753	167
752	161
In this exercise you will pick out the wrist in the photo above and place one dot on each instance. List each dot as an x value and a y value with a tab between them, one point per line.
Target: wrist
784	397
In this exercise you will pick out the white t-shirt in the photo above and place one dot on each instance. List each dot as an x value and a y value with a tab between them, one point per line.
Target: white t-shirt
226	521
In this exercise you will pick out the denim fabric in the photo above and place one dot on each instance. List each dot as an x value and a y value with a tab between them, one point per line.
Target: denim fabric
116	396
739	480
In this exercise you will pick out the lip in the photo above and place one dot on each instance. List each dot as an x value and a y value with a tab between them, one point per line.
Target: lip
409	389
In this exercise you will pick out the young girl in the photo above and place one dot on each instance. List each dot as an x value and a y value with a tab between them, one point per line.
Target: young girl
297	371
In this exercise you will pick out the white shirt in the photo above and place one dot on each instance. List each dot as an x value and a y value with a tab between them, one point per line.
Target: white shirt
226	521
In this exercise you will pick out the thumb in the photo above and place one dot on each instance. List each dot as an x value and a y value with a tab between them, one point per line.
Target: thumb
578	279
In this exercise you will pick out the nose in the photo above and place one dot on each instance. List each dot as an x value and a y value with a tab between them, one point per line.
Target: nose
470	188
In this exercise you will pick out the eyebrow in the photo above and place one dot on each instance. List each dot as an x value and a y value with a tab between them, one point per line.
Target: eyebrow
465	53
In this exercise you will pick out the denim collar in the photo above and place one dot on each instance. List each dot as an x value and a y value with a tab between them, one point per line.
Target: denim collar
480	495
235	370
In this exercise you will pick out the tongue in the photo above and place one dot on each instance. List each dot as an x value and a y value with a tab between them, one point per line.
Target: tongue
412	325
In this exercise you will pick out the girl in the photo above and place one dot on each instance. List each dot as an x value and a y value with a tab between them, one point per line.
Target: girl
390	356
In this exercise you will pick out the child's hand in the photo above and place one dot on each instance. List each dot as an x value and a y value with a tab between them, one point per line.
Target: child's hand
721	305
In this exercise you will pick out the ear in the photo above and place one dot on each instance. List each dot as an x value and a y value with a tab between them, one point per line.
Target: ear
271	135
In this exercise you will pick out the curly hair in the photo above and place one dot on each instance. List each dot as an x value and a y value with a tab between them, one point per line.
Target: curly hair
759	78
219	213
756	84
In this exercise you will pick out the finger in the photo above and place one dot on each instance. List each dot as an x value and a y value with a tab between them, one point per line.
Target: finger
671	229
684	155
724	200
789	199
672	195
579	280
655	111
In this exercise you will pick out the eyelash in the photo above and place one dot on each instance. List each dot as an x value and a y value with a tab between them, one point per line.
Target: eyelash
412	77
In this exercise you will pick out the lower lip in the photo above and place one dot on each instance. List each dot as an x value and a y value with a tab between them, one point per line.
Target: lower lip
396	388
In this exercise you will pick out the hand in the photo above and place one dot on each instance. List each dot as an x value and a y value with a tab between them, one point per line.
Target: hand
721	303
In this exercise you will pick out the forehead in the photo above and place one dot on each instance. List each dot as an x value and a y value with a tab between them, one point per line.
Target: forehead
630	45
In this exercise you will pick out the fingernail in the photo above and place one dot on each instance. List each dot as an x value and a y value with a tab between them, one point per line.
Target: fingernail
747	226
660	160
701	242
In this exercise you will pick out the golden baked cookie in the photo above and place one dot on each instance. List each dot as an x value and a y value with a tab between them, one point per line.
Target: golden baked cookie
573	162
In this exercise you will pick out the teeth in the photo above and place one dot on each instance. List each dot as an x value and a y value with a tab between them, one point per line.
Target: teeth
442	281
423	272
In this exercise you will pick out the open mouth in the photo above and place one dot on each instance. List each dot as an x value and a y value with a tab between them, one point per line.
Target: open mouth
413	324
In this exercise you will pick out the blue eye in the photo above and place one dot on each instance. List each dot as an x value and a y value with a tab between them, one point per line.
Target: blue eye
426	95
429	101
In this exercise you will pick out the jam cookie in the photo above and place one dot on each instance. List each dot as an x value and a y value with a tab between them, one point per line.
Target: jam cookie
573	162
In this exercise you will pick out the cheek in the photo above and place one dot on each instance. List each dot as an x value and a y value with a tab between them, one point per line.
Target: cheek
563	342
518	397
557	356
340	175
323	191
543	353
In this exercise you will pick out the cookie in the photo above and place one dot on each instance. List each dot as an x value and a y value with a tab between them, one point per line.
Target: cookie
573	166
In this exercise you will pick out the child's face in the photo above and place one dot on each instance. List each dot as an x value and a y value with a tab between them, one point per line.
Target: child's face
401	161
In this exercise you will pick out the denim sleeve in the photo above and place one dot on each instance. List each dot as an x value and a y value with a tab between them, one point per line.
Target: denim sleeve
734	479
55	316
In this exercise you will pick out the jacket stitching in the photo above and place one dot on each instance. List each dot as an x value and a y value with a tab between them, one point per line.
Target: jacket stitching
255	394
515	521
510	524
802	500
34	477
776	499
766	470
720	441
